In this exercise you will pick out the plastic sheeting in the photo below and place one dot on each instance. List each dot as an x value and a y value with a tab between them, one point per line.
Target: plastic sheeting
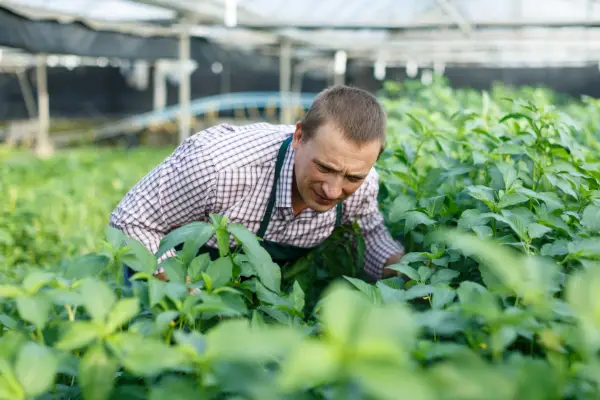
76	38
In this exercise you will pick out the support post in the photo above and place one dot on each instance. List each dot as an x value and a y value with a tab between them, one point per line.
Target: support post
43	145
339	67
160	85
184	83
285	81
27	93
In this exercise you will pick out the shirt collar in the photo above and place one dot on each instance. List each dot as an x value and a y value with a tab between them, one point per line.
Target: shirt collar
284	186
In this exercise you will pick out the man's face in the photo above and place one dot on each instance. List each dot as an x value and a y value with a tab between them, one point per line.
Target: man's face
329	167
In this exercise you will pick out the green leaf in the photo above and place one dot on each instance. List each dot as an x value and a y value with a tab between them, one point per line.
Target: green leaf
562	184
88	265
381	382
236	341
97	373
482	193
139	258
34	309
197	266
6	238
163	320
419	290
515	116
156	290
297	297
176	388
146	357
193	340
10	291
311	364
413	257
552	201
192	245
174	269
389	294
406	270
268	272
483	231
115	237
537	231
415	218
557	248
35	280
400	206
532	278
424	273
587	248
443	276
369	290
442	296
194	235
35	368
509	174
10	390
122	312
98	298
8	322
512	199
591	218
420	128
581	294
220	271
349	319
472	217
77	334
223	241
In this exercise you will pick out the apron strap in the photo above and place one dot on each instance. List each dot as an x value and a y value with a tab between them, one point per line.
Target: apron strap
280	158
338	215
267	217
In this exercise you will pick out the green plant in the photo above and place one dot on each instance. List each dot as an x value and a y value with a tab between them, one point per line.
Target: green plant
496	198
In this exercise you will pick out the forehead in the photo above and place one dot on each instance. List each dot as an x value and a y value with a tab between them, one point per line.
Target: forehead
330	144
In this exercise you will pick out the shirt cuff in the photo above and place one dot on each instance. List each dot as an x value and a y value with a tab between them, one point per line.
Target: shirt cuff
379	249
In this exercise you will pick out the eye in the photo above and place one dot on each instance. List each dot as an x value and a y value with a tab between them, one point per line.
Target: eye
323	168
354	179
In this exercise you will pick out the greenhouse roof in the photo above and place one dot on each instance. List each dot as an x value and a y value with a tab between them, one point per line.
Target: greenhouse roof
508	32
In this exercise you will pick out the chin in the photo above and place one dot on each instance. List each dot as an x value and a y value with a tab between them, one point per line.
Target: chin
321	208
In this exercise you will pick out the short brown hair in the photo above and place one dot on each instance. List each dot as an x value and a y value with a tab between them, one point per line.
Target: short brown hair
355	111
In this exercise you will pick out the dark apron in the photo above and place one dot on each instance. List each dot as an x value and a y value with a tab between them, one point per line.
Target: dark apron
281	253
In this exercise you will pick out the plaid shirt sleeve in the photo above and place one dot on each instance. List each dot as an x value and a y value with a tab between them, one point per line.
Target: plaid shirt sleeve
179	190
379	244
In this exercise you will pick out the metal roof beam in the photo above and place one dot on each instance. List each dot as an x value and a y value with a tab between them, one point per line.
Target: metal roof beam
463	24
483	25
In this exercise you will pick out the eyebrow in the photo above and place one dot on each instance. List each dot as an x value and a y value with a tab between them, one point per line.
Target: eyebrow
334	169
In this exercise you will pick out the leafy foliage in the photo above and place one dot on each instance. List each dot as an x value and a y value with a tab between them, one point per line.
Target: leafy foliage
498	206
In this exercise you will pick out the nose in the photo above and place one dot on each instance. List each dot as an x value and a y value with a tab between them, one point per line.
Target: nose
332	188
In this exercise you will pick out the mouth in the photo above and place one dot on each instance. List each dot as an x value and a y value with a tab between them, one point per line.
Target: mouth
322	200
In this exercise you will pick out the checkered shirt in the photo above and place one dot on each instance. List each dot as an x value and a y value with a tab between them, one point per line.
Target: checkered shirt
229	170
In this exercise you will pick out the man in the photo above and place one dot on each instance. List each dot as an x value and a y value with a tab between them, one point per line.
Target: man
290	185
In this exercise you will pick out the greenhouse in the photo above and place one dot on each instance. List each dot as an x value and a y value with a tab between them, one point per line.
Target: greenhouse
260	199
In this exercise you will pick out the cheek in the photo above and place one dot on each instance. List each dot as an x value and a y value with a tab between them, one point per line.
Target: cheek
314	175
350	188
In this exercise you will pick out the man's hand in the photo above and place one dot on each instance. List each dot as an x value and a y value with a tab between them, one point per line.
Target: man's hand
162	276
387	273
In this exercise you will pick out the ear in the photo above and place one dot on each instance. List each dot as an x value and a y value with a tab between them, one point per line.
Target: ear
297	138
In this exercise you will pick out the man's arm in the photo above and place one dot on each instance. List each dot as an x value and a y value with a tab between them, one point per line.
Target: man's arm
381	249
177	191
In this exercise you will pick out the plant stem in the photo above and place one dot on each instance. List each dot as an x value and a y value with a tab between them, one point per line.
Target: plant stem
70	312
40	335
